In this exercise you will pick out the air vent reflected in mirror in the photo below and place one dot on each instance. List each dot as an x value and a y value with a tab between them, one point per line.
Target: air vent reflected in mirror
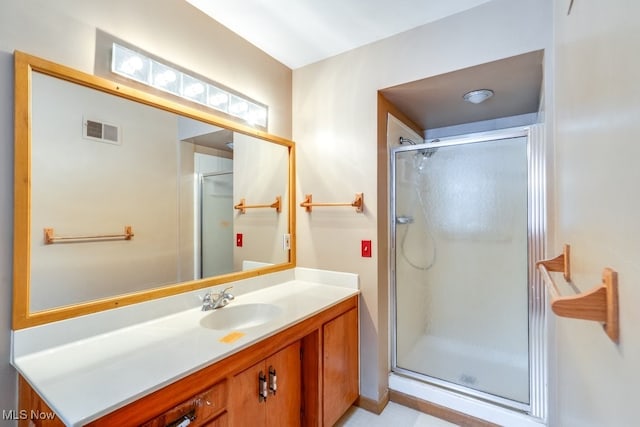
102	132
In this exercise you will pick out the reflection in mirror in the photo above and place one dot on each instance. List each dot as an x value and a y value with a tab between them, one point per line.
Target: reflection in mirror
230	166
173	179
101	162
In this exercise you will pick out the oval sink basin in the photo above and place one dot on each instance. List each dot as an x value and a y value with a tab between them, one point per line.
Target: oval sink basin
240	316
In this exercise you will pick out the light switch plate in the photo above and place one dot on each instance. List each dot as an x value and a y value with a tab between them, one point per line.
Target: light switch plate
365	248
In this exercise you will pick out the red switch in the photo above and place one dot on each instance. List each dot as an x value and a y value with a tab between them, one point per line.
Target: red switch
239	240
365	248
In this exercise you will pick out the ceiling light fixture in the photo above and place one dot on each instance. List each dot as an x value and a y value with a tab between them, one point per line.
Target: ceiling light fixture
143	69
478	96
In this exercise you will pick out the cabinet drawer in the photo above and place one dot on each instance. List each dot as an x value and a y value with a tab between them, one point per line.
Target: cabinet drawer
212	401
221	421
198	410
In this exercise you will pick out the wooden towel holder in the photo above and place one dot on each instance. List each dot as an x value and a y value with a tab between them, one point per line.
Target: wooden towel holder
599	304
357	203
242	206
50	237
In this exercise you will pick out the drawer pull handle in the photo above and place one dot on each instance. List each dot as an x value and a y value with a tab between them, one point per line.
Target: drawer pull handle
273	384
184	420
262	387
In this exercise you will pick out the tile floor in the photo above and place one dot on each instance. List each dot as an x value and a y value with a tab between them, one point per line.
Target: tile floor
393	415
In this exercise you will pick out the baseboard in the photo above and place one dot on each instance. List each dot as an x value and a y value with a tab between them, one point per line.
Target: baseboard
437	411
375	406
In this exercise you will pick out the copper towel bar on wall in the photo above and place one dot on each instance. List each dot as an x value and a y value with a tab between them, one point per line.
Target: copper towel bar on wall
599	304
242	206
358	203
50	237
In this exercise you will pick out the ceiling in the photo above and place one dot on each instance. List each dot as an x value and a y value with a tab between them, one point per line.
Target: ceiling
217	139
300	32
437	102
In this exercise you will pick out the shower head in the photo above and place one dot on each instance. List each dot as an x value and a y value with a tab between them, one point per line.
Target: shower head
404	140
425	152
404	220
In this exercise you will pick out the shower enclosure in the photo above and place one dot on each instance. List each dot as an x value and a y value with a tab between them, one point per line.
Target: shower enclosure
467	314
216	223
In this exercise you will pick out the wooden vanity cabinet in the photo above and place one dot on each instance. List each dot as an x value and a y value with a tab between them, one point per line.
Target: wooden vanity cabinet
268	394
204	409
317	377
30	401
340	369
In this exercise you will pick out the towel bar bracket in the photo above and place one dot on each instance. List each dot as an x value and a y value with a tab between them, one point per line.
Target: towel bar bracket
599	304
357	203
50	237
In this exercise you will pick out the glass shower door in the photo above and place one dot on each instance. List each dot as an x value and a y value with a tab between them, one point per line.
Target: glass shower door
461	267
216	224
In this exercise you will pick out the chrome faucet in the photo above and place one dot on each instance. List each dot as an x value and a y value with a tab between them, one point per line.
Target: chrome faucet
211	302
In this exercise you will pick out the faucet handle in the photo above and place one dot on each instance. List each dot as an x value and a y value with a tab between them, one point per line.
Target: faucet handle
207	302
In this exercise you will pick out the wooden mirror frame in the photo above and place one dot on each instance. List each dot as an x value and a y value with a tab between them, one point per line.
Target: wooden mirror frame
24	66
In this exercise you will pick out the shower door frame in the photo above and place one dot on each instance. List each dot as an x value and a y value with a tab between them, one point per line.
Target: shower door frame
200	217
537	304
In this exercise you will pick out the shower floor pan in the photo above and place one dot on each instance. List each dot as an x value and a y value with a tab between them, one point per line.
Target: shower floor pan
478	368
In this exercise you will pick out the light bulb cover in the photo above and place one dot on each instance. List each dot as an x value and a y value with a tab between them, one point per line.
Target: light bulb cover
135	65
478	96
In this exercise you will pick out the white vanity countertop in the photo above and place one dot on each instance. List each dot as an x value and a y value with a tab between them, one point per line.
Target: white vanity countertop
84	379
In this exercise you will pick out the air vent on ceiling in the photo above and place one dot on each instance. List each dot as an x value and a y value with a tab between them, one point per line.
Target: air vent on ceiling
100	131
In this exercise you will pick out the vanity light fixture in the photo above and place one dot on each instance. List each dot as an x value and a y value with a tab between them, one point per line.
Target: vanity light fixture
478	96
143	69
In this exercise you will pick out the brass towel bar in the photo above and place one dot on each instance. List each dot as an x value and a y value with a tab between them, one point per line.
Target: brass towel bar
50	237
242	206
599	304
358	203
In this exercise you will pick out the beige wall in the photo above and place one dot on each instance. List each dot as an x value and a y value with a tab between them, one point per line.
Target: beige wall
261	172
335	112
597	152
64	31
335	107
82	187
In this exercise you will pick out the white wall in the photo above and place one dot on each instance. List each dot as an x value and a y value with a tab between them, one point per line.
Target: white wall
64	31
596	147
335	106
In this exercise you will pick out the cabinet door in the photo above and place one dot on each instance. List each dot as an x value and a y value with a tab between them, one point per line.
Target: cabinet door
283	406
245	406
340	370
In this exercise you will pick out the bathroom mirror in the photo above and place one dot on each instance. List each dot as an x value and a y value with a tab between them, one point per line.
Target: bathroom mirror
122	196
